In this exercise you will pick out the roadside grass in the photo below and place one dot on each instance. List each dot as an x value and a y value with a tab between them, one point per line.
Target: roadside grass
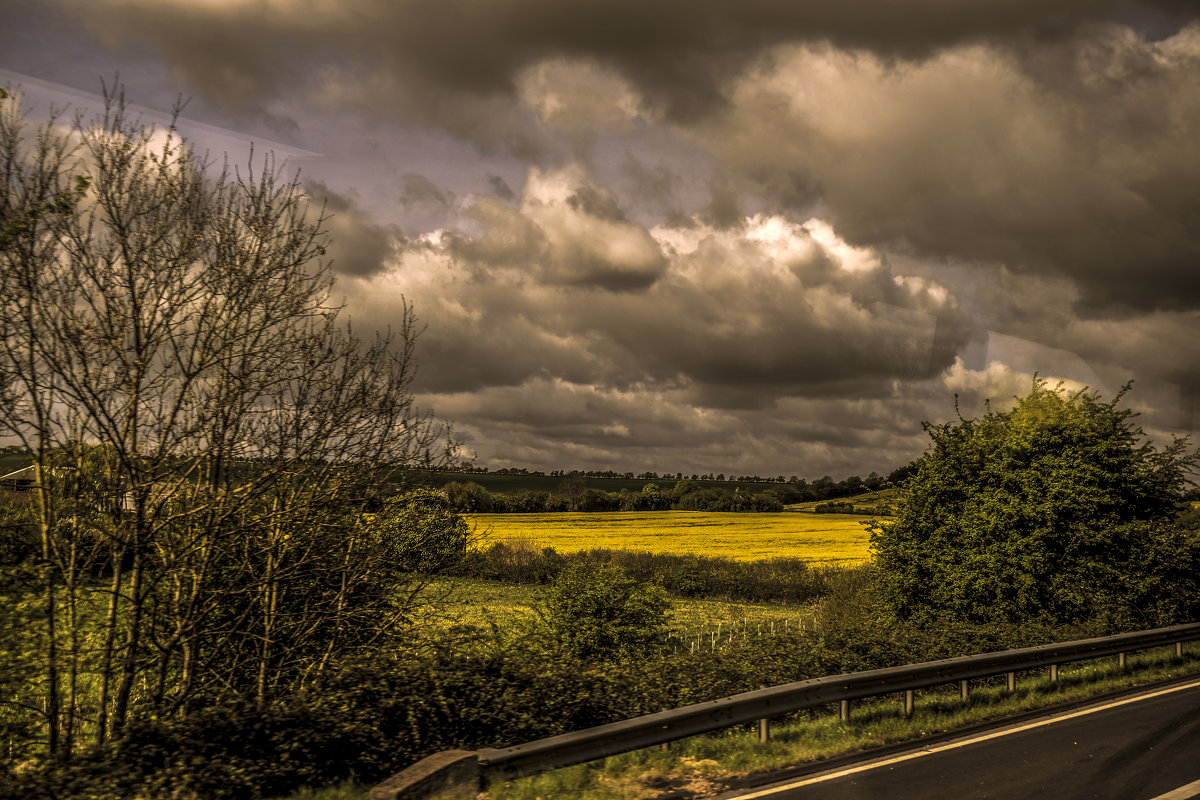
711	763
348	790
821	539
461	604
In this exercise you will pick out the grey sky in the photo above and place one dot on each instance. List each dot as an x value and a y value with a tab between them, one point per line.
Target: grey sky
753	238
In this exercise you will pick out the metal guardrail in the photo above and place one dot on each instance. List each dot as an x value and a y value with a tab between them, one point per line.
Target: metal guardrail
762	704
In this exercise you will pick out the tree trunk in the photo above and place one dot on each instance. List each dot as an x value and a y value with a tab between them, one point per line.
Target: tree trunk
109	646
49	586
133	631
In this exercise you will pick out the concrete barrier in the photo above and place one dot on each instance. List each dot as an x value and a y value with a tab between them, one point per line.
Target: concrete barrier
449	774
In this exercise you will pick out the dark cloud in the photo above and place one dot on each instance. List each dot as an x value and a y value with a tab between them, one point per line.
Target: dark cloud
990	189
732	318
596	202
500	187
568	232
1033	323
1045	136
548	422
652	185
418	190
1077	162
357	245
417	51
725	208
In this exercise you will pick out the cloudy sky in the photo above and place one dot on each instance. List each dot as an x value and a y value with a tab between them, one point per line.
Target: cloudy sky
752	238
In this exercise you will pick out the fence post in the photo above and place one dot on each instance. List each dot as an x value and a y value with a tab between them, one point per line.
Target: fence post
909	703
844	712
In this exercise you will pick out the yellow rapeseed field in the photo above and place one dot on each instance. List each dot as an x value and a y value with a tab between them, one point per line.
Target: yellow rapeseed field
819	538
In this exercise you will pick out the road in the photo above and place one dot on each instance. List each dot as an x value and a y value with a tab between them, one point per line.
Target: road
1145	747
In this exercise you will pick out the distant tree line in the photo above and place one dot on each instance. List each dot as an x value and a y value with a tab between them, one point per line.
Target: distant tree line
815	490
685	495
572	495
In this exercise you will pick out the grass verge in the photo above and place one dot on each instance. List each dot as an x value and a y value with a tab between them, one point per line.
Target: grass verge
342	791
704	765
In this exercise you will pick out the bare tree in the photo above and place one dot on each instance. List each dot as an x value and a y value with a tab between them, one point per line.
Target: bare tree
205	429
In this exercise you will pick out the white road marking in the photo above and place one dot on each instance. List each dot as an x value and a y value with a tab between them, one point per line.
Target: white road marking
983	738
1182	793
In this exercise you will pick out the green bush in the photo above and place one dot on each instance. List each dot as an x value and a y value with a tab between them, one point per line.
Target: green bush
426	533
1055	510
597	612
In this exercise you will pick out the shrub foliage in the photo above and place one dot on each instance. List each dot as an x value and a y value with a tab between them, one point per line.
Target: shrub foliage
1056	509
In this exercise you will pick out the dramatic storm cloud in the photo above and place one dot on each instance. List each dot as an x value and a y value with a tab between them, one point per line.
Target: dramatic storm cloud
564	285
753	238
1076	158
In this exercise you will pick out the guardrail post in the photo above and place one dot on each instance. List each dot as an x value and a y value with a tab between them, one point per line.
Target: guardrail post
963	689
1054	673
844	712
1179	649
1121	661
665	746
1012	681
909	703
764	726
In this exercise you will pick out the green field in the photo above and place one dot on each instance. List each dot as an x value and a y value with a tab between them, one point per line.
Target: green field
878	502
479	604
819	538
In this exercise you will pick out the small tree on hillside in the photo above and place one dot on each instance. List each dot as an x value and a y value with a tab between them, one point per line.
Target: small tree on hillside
1055	510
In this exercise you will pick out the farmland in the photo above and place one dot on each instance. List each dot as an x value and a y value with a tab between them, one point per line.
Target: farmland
818	538
465	603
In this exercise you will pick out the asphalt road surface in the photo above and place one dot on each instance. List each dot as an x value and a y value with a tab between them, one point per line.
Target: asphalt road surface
1145	747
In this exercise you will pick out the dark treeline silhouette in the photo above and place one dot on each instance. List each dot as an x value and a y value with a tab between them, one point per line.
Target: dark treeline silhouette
873	481
574	493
